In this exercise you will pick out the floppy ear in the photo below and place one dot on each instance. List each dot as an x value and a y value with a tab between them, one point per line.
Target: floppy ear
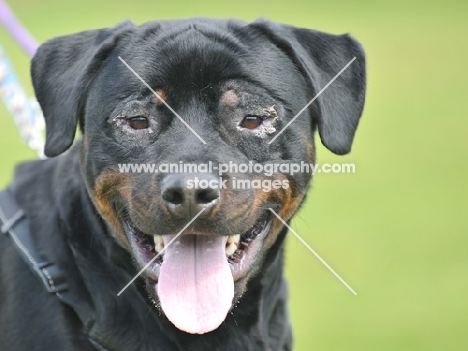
320	56
61	71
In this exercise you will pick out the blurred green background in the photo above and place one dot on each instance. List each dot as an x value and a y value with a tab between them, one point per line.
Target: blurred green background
396	230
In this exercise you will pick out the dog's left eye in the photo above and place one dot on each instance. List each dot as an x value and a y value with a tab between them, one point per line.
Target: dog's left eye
138	122
251	122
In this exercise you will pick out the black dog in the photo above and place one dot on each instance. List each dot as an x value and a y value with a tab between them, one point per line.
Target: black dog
86	228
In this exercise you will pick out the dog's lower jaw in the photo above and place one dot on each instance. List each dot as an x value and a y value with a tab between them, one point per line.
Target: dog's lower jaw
197	278
261	314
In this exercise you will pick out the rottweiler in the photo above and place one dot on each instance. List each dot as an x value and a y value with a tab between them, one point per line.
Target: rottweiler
193	91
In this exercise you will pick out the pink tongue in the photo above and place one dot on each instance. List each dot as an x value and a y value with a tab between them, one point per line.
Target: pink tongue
195	285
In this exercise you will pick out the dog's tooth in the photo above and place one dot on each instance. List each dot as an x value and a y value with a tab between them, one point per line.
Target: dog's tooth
230	249
158	243
158	248
158	239
233	238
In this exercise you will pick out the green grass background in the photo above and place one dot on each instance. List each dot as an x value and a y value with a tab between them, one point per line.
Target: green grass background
396	230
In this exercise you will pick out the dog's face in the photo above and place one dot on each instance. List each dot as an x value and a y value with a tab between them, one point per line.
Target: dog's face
236	86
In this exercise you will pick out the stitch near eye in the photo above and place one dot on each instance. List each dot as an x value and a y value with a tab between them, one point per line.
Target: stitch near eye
251	122
138	122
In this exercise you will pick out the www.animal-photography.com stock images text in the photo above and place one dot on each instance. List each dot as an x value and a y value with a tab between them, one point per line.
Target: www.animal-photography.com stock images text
233	176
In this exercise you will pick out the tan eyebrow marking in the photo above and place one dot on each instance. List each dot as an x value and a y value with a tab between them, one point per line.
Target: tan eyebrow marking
229	98
162	95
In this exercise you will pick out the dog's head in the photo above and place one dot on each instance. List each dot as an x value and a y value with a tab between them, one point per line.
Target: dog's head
201	92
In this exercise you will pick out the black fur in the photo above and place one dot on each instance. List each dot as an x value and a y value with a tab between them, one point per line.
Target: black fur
79	79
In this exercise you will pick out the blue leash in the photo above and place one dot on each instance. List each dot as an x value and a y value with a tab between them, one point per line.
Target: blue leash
25	111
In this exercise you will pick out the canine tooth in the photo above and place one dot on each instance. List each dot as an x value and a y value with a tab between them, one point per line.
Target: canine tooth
158	248
233	238
230	249
158	243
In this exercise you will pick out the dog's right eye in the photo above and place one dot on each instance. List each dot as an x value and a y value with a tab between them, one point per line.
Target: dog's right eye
138	122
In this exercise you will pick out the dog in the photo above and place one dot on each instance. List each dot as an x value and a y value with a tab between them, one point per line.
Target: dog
210	259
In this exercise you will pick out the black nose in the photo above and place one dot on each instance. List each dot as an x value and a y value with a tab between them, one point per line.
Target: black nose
185	195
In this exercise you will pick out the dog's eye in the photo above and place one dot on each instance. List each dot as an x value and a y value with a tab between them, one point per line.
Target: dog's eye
251	122
138	122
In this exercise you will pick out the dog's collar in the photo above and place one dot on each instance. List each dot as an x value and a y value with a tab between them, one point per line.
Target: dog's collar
15	224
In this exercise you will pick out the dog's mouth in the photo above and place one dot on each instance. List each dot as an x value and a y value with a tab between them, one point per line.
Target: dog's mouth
195	274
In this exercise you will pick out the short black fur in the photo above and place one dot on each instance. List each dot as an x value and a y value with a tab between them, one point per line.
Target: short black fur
75	201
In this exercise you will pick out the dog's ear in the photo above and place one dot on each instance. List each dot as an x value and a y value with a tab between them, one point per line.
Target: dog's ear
320	56
61	71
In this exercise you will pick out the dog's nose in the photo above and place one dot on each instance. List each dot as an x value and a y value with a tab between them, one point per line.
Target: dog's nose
186	195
